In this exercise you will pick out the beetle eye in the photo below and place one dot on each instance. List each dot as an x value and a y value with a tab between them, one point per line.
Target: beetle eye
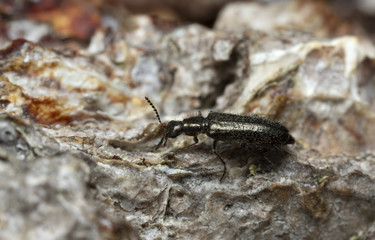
173	129
176	131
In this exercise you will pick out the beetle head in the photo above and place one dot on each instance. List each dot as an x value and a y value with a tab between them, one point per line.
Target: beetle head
172	130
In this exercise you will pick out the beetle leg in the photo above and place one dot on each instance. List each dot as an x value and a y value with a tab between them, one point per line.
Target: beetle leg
188	146
161	142
225	167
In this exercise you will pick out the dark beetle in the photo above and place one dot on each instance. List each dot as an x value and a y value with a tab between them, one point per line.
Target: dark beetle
252	130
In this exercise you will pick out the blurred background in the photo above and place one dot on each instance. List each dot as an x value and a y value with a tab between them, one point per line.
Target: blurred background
79	19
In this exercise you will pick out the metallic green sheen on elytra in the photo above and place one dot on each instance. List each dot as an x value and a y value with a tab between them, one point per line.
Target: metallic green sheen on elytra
251	129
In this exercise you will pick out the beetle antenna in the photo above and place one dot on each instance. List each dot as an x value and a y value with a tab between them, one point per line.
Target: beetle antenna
153	107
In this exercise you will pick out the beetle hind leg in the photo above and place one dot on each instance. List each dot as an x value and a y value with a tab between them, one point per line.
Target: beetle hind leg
222	160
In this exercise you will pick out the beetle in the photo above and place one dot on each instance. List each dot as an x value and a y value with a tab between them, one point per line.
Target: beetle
249	130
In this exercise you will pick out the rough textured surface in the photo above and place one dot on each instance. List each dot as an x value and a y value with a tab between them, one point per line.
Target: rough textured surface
77	138
44	191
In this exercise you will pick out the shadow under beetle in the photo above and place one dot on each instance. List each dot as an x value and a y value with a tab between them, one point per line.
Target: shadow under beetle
249	130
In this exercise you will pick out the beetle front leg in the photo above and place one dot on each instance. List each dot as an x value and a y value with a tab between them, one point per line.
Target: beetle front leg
189	146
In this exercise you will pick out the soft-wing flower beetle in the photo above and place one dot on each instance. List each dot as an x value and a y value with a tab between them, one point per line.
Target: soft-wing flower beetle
251	130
